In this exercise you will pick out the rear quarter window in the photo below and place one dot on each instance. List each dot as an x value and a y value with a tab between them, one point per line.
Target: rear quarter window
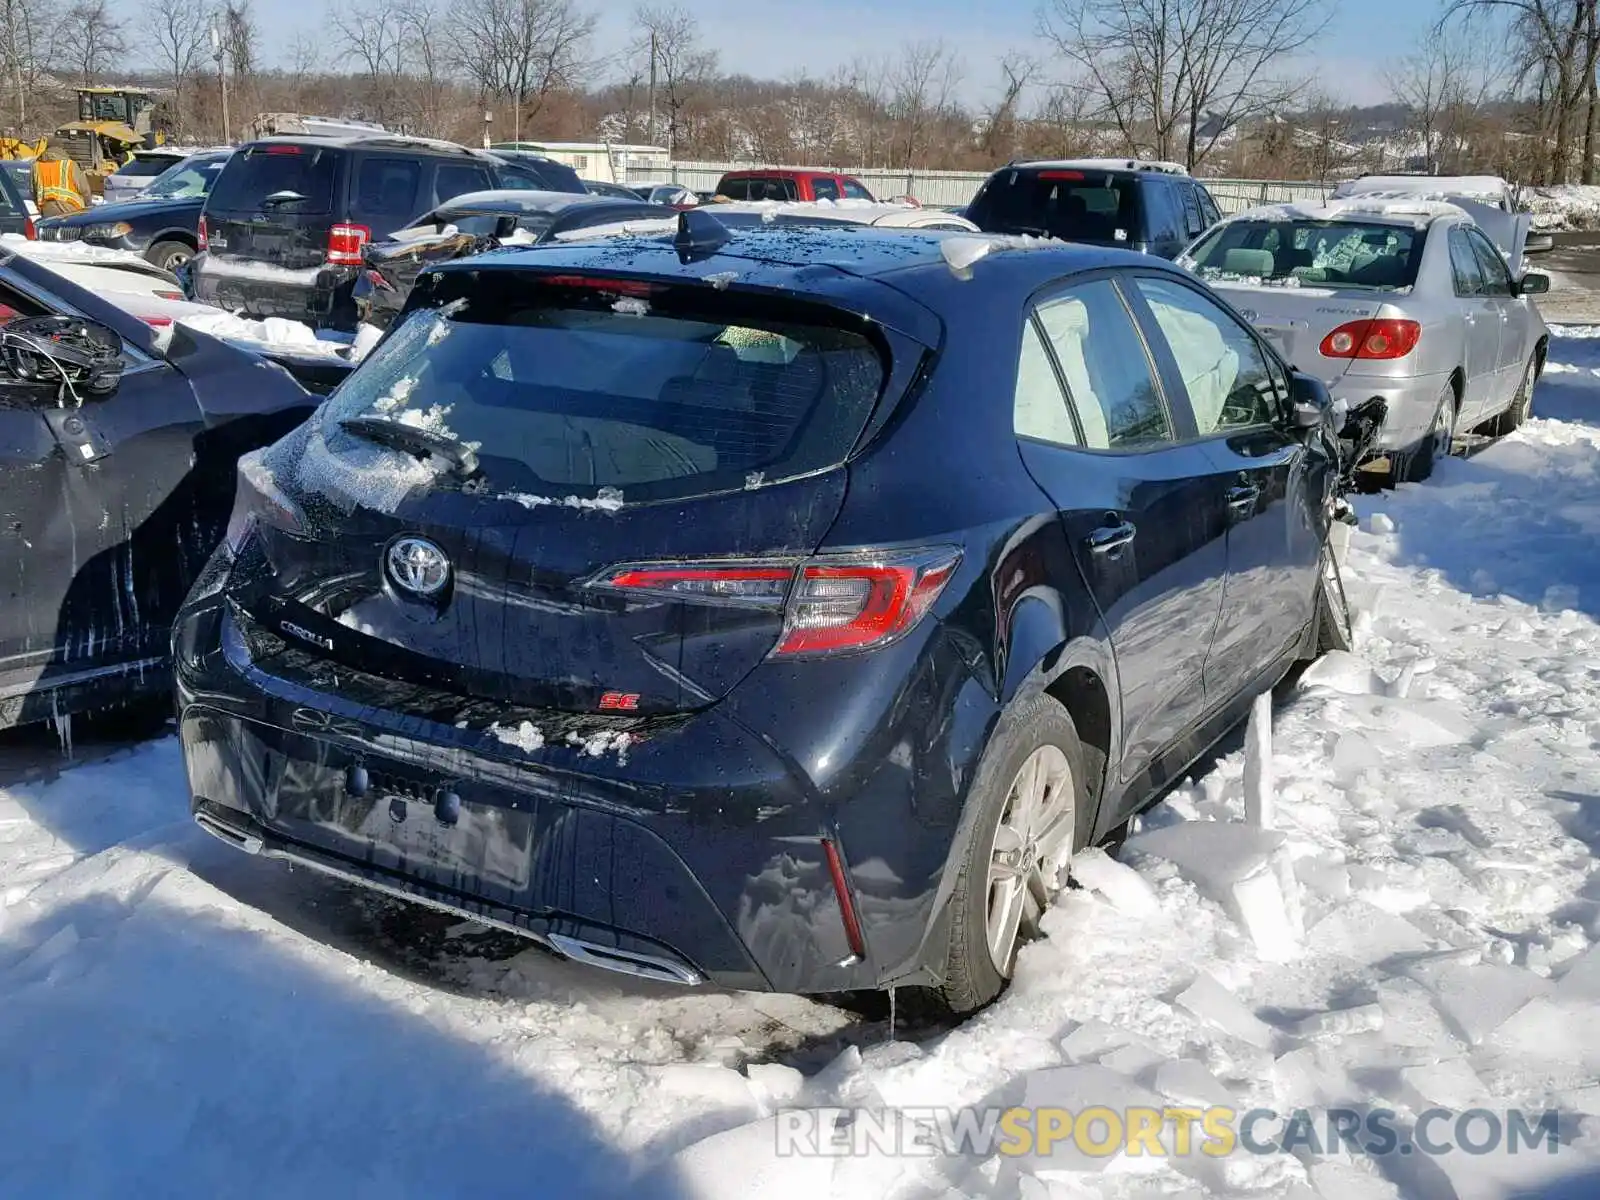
569	391
259	171
386	192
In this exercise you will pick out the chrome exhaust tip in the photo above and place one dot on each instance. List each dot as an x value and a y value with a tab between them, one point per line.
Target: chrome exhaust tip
626	962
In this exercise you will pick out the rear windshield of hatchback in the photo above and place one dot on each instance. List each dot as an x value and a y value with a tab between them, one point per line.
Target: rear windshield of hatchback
302	176
1069	204
588	393
1343	254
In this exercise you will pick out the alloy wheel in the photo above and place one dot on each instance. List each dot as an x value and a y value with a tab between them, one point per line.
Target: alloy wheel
1030	847
1444	426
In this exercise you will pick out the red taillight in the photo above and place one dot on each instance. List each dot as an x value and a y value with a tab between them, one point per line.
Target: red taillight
1380	339
29	230
345	243
157	322
376	279
200	233
280	148
847	906
831	604
1061	175
170	295
853	607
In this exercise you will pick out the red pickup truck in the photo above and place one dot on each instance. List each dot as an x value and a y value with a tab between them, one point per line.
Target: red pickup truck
777	184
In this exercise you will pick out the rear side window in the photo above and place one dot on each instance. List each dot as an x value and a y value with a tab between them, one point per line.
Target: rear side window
1464	264
734	189
824	189
1496	275
1073	205
386	190
1194	219
1039	410
263	170
1164	213
454	180
1109	377
570	390
769	189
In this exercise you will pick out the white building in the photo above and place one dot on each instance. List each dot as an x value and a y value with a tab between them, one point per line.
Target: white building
608	162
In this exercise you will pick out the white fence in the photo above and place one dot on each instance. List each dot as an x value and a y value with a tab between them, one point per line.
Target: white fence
955	188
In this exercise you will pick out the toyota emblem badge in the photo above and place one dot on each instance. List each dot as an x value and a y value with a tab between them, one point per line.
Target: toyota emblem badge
418	567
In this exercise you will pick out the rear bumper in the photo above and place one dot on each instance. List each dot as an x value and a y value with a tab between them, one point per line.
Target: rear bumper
318	296
699	855
1411	405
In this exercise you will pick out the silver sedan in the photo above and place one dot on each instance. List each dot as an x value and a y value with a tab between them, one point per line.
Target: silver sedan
1405	300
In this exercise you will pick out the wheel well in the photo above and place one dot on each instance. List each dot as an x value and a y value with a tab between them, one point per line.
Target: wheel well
1540	349
1458	385
177	235
1081	692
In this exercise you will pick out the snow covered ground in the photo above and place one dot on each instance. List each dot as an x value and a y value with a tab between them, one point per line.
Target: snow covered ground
177	1019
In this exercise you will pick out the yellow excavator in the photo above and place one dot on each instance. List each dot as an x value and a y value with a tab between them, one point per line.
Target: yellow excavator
112	123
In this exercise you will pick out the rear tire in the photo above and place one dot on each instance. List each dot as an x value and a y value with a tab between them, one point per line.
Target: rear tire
1521	408
1026	796
1437	443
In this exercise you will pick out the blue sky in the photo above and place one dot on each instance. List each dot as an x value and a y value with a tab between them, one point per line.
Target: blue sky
778	38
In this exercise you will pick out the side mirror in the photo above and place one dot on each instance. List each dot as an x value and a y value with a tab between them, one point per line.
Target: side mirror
1533	284
1538	243
1309	402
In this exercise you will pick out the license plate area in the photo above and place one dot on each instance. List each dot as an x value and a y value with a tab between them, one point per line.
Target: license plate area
433	830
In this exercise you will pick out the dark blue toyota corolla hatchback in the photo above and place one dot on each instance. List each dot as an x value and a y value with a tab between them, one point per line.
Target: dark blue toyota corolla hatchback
777	608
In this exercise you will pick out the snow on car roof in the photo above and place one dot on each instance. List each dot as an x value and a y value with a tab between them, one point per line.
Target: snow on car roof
1477	186
1109	164
1375	206
516	200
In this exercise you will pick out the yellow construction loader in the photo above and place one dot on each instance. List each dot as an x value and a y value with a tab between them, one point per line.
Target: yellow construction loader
112	123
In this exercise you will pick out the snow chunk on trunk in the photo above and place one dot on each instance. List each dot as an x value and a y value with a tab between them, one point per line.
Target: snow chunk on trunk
526	737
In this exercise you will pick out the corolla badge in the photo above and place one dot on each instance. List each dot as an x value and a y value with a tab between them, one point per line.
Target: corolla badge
418	566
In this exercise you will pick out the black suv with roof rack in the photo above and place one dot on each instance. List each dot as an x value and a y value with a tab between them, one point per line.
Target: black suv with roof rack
1153	207
287	220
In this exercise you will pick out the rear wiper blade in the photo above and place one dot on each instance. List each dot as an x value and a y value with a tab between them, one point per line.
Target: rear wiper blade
413	440
284	197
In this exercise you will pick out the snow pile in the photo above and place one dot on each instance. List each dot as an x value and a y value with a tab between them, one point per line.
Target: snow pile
1435	802
283	335
1565	206
75	252
606	499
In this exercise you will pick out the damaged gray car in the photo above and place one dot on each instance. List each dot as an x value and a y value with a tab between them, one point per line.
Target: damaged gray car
117	464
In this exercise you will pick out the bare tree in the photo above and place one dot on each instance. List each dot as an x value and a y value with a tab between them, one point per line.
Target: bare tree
175	34
922	86
1559	50
427	49
90	39
1445	84
372	35
1000	122
25	27
520	50
669	40
1175	76
240	37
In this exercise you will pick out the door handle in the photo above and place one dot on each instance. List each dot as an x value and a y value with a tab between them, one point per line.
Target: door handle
1112	537
1243	497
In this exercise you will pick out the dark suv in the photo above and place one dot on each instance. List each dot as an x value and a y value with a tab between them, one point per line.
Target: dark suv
1155	208
285	225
